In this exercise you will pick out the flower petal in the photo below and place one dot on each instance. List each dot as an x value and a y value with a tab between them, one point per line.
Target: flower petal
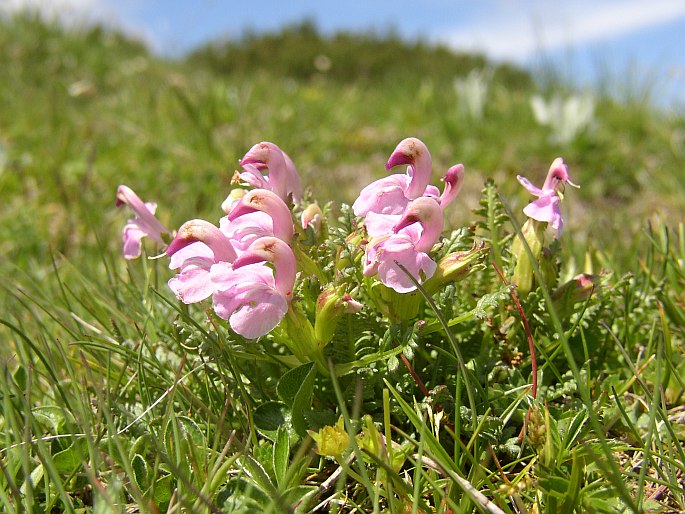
132	236
385	196
418	264
534	190
260	315
546	208
192	285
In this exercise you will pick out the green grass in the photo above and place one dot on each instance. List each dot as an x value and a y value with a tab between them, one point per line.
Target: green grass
114	394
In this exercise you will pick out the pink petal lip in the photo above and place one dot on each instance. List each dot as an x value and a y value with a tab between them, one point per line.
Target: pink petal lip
532	189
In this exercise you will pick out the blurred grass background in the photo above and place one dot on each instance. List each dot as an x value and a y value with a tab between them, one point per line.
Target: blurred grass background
86	109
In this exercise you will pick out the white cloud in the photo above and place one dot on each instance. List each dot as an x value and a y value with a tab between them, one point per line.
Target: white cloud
65	10
516	33
114	14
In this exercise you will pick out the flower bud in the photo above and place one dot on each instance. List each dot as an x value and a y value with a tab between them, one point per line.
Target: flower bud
345	255
457	266
232	199
300	334
524	278
331	440
578	289
331	304
312	216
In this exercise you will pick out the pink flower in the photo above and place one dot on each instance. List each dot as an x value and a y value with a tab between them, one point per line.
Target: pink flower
454	180
547	207
391	194
249	294
282	178
378	224
143	224
258	213
412	237
195	249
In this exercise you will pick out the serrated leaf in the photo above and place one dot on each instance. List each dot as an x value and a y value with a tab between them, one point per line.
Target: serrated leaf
259	477
241	496
51	417
190	428
141	445
35	478
298	497
575	428
163	489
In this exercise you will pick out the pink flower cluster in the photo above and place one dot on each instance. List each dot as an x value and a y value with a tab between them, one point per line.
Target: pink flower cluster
245	264
403	214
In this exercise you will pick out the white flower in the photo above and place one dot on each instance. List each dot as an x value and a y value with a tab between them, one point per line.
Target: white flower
472	92
566	118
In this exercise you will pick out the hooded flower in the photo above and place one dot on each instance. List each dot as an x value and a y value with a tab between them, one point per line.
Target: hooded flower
257	213
144	223
547	207
392	194
412	237
196	248
282	178
252	296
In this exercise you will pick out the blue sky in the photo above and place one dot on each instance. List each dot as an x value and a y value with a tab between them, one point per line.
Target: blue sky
636	43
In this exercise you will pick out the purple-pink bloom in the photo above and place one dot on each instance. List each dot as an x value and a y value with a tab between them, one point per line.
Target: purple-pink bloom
454	180
391	194
269	203
257	213
547	207
143	224
282	178
412	237
249	294
198	246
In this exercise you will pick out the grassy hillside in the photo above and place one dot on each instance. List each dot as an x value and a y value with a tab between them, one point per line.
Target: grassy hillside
85	111
114	395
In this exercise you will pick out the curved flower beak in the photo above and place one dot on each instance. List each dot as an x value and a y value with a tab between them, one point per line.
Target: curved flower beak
270	203
277	252
413	152
202	231
558	173
428	213
283	177
151	225
262	155
454	180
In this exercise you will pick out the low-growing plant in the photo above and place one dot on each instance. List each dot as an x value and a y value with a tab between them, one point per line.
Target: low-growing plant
305	355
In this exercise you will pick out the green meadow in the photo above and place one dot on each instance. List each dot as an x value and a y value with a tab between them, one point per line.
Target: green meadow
470	396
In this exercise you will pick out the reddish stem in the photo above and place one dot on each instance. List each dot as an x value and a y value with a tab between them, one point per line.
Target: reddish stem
416	377
526	328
